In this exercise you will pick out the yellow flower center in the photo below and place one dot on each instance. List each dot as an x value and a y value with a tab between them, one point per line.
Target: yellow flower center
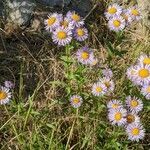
144	73
117	23
51	21
118	116
146	61
3	95
135	131
115	106
76	100
148	89
64	23
80	32
112	10
99	89
76	17
85	55
134	103
135	12
61	35
130	118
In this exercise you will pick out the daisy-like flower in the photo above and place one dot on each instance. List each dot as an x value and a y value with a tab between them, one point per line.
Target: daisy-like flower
144	59
108	83
117	116
5	95
134	104
135	131
99	89
142	75
112	10
131	73
62	36
75	18
9	84
132	117
66	23
107	73
146	91
117	23
114	104
80	34
85	55
135	12
53	21
126	15
76	101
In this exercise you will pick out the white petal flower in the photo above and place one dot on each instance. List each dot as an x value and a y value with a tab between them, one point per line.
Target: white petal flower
99	89
85	55
114	104
142	75
5	95
76	101
135	131
135	12
134	104
62	36
117	23
117	116
113	10
53	21
80	34
145	90
75	18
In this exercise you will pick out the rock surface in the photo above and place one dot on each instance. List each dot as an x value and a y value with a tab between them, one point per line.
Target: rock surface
1	8
19	12
81	6
54	3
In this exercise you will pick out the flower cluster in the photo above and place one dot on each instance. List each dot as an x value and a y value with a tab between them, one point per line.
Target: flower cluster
86	56
139	74
105	85
5	93
64	28
127	116
118	17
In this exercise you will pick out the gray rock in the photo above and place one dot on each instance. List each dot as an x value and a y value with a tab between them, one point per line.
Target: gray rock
19	12
80	6
54	3
1	8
